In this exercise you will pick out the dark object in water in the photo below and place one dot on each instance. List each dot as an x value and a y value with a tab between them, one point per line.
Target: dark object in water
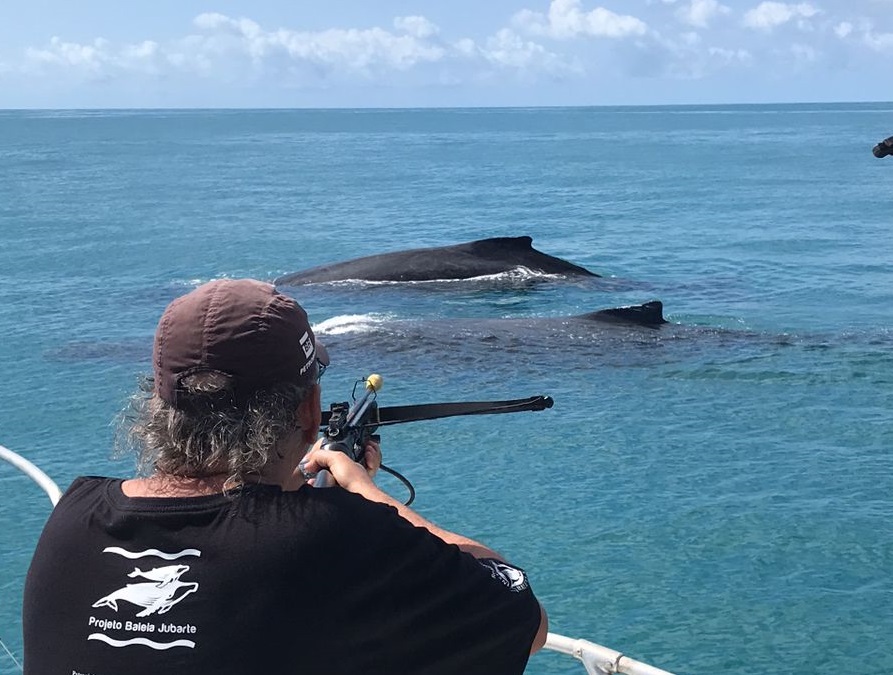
461	261
884	148
650	314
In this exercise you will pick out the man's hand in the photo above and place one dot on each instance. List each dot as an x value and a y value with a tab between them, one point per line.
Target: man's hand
348	474
372	458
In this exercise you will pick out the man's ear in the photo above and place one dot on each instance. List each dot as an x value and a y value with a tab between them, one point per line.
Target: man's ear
310	416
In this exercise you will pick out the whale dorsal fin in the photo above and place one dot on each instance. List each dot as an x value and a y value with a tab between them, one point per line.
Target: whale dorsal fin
648	314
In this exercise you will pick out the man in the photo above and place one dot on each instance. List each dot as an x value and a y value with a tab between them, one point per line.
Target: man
222	559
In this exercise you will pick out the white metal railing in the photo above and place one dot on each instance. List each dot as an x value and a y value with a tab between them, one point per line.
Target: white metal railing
599	660
596	659
35	474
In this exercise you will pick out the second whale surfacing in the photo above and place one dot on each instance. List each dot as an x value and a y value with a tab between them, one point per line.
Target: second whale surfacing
595	325
461	261
518	344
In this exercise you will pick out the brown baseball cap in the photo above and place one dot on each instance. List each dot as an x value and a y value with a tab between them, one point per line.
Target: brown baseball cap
242	329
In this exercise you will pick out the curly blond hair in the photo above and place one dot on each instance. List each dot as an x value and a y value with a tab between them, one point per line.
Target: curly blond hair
214	433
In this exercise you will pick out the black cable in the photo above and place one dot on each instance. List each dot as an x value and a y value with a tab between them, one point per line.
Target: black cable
399	476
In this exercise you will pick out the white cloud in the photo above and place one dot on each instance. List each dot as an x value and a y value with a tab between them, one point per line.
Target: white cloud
699	13
864	33
879	42
566	19
217	52
229	49
804	53
355	50
729	56
686	56
843	29
417	26
507	49
466	47
213	22
90	57
768	15
223	40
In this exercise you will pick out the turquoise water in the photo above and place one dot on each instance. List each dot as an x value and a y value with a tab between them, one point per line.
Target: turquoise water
713	497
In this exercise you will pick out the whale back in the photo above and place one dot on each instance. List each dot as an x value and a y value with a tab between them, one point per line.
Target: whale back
459	261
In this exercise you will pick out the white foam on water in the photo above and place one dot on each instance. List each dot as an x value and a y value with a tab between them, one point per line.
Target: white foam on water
351	323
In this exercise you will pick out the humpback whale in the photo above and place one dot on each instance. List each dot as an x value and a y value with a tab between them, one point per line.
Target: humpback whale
460	261
884	148
621	335
595	324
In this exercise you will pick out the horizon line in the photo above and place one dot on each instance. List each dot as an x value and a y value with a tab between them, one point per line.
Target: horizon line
438	107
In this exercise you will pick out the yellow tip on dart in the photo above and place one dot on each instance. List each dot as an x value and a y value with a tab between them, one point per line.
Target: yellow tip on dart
374	382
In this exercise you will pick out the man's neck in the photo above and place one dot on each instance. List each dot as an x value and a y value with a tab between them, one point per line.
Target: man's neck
165	485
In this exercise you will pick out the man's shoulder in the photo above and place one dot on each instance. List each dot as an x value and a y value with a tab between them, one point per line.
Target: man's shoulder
84	498
349	504
83	486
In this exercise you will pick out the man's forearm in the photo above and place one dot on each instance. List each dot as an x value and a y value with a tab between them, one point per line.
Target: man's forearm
354	477
475	548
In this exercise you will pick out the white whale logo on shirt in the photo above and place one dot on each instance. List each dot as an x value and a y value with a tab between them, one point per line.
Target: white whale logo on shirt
513	578
163	590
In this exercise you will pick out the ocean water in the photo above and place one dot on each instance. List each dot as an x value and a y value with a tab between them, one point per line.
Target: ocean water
710	497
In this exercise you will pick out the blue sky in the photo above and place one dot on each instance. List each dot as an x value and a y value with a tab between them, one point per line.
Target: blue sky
395	53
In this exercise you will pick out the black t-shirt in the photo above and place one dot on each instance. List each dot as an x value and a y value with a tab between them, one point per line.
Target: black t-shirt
264	581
